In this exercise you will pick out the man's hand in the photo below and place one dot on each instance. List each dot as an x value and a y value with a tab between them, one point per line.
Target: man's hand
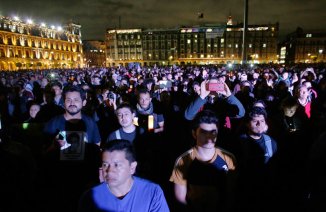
61	140
226	92
203	92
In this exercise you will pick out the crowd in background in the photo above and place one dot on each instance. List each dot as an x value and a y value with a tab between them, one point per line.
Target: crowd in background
293	97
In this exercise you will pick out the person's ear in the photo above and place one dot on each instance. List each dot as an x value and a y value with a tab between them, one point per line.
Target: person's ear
84	102
133	166
193	132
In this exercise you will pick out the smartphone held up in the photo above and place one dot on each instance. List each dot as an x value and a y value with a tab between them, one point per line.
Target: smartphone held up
215	86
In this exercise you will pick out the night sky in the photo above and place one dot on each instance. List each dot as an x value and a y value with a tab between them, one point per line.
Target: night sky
97	15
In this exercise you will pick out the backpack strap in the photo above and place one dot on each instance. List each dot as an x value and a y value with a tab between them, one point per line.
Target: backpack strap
268	144
117	134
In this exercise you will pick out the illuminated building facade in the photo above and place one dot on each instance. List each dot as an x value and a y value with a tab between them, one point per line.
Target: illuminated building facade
207	44
304	47
123	45
94	53
25	45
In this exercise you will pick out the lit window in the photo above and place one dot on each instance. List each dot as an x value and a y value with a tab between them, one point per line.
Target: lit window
250	45
236	46
188	41
222	40
264	45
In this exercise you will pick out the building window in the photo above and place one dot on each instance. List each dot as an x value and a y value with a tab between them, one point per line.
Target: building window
264	45
236	45
308	35
250	45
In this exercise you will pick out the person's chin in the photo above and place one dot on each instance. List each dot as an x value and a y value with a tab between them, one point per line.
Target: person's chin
209	145
258	133
72	113
109	179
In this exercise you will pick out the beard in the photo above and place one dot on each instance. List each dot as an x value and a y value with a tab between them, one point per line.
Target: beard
73	112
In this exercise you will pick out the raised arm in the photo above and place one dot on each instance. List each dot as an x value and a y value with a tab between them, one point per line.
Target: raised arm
194	106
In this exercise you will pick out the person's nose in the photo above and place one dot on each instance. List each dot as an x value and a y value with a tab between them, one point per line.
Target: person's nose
123	117
110	169
211	135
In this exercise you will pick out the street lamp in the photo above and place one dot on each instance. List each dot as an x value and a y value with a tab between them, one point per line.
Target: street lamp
245	26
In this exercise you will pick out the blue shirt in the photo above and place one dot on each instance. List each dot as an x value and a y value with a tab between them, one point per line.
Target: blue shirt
143	196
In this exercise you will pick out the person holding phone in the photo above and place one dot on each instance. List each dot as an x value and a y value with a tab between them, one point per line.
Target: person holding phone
107	122
74	100
216	96
70	173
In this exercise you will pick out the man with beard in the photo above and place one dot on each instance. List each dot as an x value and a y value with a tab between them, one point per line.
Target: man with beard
256	153
67	176
73	119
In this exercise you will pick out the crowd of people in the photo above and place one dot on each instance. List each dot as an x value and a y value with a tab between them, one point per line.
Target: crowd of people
170	138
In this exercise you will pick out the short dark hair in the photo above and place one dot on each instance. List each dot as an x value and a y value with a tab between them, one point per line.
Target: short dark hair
205	116
125	105
143	90
121	145
256	111
288	102
259	101
56	83
74	88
